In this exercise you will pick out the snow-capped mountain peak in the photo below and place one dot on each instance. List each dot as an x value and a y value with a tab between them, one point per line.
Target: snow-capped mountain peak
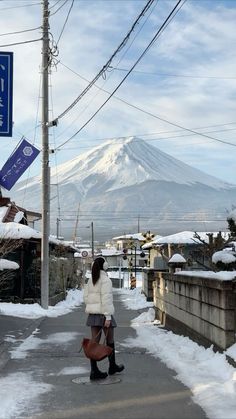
130	161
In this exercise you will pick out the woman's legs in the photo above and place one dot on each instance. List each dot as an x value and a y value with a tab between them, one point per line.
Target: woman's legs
96	374
109	333
113	367
96	332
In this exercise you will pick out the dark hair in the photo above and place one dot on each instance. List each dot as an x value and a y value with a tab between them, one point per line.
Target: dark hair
96	268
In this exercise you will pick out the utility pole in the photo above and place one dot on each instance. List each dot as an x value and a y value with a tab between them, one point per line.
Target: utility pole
92	240
76	224
58	227
45	162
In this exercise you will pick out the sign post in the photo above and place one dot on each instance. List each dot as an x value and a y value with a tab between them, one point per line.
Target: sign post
6	87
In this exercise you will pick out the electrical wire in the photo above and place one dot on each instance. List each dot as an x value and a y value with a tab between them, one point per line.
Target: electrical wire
20	43
127	103
23	31
66	20
59	8
18	7
137	140
110	73
174	11
148	113
173	75
54	5
104	68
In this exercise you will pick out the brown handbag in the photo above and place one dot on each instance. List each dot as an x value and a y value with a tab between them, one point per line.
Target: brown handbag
94	350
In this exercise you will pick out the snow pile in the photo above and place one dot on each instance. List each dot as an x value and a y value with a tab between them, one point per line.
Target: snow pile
73	299
223	256
133	299
19	391
177	258
8	264
212	380
222	275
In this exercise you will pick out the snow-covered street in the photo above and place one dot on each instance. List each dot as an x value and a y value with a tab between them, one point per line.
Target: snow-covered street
25	380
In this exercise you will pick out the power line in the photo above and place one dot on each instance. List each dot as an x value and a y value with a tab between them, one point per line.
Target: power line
20	43
23	31
151	139
18	7
173	75
66	20
163	26
54	5
104	68
110	73
59	8
127	103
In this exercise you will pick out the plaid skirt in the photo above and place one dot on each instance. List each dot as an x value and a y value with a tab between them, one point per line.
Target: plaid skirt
99	320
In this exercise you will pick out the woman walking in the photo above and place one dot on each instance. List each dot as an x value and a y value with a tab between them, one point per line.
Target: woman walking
99	306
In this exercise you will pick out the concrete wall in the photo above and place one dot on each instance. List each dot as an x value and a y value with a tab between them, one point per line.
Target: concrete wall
203	308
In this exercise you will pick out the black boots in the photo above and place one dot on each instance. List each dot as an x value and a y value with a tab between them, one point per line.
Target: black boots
113	367
96	374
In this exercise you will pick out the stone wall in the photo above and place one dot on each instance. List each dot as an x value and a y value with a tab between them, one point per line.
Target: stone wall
64	273
202	308
148	276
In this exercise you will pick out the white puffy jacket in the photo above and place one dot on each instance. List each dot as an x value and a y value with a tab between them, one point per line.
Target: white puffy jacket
98	298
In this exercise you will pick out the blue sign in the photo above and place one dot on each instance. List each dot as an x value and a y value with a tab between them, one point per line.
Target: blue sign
6	83
17	163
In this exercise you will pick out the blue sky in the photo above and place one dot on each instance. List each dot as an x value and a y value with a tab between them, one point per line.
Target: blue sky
187	77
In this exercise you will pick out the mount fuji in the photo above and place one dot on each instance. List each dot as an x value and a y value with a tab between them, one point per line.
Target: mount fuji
124	183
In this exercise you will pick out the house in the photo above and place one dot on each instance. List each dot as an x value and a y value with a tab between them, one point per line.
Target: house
132	247
22	244
10	212
191	245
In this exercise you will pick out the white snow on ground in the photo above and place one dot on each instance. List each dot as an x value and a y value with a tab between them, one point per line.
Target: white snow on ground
33	342
73	371
210	377
17	392
222	275
34	311
133	300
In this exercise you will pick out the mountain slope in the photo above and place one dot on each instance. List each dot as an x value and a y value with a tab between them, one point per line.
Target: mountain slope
119	180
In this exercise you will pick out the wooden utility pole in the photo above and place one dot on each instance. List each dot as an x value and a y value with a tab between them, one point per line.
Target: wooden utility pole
45	163
76	224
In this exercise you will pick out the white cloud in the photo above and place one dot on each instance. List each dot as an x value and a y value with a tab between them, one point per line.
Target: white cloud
198	42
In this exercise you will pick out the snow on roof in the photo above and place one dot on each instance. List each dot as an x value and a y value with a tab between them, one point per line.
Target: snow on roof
222	275
111	252
224	256
134	236
177	258
187	237
18	217
17	231
8	264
